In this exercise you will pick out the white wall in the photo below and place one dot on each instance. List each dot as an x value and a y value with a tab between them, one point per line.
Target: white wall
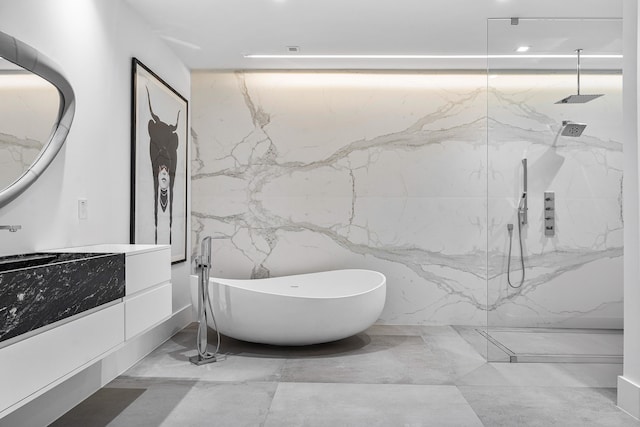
93	42
629	382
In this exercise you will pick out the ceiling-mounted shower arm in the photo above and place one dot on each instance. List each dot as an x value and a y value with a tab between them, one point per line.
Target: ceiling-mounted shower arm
578	98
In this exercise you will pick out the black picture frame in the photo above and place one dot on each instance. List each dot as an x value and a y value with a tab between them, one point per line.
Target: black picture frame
159	161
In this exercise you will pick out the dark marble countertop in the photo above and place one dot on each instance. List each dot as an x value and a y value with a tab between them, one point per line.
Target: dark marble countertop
40	289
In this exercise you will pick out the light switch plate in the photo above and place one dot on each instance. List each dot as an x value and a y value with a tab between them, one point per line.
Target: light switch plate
83	209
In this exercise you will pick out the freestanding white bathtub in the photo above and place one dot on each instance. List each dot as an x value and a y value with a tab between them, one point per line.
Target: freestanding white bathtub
296	310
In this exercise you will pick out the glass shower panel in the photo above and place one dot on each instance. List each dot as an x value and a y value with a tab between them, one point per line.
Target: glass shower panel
554	201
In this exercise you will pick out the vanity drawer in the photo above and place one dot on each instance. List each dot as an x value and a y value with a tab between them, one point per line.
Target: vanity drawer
146	309
147	269
32	364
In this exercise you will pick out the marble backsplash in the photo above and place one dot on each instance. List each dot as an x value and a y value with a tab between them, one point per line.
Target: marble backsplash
403	173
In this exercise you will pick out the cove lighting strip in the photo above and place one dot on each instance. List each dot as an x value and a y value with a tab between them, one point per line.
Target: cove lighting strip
298	56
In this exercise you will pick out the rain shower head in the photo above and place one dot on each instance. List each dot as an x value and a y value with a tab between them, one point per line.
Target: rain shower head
572	129
578	98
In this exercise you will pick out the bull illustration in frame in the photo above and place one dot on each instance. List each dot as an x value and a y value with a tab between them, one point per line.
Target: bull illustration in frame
158	163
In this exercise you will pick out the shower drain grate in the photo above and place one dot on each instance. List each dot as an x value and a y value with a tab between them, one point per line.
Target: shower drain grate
569	346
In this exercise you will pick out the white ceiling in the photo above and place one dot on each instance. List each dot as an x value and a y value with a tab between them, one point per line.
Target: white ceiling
215	34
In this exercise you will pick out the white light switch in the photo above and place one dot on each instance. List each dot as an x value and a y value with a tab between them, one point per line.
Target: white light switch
83	209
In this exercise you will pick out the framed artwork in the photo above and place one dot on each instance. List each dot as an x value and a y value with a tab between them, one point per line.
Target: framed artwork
158	163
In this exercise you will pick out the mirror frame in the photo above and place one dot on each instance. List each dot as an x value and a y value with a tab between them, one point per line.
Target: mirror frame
31	60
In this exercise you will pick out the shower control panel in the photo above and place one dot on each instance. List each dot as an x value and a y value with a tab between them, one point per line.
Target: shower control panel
549	213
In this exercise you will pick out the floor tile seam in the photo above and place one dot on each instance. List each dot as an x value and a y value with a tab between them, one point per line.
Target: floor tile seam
346	355
461	393
431	387
579	384
467	345
192	379
307	382
153	378
534	387
529	386
267	413
372	383
231	381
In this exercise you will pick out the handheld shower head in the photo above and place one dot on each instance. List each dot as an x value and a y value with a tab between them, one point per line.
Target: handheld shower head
572	129
523	199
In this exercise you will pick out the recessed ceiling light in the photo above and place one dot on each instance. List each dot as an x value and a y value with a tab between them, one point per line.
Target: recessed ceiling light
523	48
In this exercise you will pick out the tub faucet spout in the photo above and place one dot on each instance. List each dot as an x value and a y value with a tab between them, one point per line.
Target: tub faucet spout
11	228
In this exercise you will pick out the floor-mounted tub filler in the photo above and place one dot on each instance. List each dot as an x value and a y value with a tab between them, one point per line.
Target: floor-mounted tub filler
296	310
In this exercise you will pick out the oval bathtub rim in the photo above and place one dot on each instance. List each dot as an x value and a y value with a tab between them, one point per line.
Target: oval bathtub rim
382	283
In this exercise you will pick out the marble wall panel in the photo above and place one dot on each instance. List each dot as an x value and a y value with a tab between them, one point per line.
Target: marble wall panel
573	279
316	171
302	171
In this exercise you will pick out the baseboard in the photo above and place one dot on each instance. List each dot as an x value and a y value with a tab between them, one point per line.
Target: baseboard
50	405
629	397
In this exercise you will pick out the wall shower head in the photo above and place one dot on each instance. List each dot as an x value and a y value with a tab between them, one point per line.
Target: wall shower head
572	129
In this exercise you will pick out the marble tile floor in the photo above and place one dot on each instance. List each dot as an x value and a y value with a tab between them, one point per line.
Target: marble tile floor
386	376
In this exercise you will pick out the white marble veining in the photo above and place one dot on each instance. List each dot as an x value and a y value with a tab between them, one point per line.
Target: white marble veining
304	172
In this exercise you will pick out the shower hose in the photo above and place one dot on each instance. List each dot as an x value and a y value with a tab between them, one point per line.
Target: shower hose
510	229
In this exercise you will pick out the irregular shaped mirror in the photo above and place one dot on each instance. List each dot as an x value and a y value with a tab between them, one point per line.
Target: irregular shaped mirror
36	112
28	112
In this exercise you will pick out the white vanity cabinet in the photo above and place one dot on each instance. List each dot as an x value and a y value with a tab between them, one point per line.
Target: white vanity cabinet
31	365
147	298
147	272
